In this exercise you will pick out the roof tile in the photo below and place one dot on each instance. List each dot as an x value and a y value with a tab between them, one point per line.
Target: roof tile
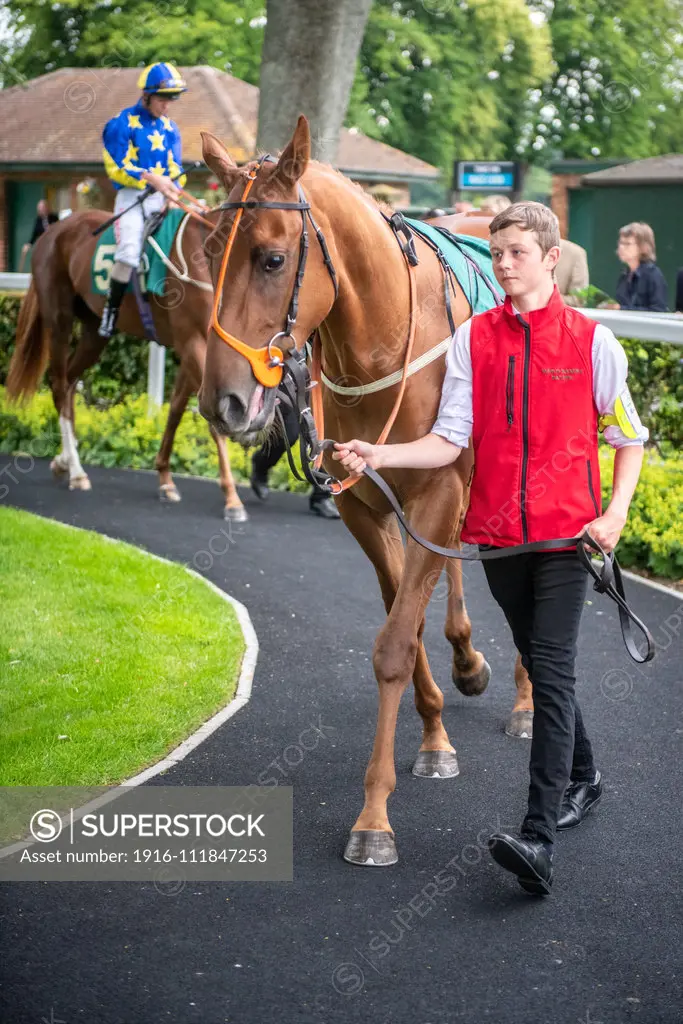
58	119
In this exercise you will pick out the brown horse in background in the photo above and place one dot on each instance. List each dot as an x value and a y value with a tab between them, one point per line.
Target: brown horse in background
60	292
475	223
363	330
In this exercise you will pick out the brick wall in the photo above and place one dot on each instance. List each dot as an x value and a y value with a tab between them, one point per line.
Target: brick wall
559	200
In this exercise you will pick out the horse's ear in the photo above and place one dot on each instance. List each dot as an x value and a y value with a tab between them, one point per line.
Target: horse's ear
296	154
217	159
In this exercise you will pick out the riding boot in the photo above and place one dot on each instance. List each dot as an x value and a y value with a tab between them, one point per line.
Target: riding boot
117	289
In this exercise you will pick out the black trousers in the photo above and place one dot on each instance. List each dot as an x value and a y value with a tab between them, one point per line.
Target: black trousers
270	453
542	596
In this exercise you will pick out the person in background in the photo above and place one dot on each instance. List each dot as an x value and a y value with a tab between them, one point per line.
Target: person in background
495	204
571	272
679	291
44	218
463	206
642	285
269	454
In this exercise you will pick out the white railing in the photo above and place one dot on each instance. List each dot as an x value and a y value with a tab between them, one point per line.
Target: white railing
627	323
14	282
663	327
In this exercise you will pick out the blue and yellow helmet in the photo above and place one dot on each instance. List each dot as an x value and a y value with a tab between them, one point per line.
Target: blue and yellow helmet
161	80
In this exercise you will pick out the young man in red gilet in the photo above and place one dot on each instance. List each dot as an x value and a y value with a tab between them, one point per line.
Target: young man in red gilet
529	382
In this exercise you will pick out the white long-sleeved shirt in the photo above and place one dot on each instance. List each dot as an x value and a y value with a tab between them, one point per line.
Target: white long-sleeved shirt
610	369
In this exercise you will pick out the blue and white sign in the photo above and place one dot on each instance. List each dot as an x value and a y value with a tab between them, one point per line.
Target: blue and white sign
477	176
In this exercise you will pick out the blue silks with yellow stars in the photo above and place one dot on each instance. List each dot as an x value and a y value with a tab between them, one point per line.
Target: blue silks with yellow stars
134	141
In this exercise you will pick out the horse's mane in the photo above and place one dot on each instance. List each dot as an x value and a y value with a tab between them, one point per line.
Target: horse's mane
379	203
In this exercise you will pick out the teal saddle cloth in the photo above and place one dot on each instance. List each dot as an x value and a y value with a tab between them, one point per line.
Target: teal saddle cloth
461	252
103	257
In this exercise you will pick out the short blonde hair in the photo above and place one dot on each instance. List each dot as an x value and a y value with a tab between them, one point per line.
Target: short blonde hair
530	217
495	204
644	236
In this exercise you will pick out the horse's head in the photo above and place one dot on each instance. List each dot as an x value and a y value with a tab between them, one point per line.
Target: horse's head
254	288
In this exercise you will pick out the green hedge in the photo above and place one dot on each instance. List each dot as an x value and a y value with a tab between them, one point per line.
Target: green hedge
125	436
120	372
655	377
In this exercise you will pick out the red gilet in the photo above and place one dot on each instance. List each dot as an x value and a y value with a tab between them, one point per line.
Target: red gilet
535	425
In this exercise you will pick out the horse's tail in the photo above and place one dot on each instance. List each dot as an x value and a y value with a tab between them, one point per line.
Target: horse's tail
31	349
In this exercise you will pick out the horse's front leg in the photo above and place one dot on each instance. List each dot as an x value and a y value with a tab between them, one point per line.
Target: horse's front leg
234	509
180	396
396	662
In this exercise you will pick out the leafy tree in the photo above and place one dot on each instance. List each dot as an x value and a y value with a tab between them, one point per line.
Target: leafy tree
442	79
616	88
98	33
446	79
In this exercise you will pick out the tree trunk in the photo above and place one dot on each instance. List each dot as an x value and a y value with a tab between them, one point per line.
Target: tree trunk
307	67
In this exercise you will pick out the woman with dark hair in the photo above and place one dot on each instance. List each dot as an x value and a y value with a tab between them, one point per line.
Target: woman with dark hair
642	285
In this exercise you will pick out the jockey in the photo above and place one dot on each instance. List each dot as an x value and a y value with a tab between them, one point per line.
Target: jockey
141	148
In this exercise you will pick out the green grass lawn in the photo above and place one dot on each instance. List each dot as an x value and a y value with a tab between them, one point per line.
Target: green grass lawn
108	658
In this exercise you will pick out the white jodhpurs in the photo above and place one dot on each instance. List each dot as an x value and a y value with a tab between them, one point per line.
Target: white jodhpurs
128	228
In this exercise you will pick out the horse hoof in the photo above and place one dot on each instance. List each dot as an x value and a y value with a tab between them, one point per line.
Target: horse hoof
169	494
472	686
371	848
520	725
58	468
436	764
80	483
236	515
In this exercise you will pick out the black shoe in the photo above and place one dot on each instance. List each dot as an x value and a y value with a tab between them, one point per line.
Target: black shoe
259	486
324	507
528	858
578	799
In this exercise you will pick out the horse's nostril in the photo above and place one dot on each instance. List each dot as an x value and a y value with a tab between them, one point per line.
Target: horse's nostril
230	408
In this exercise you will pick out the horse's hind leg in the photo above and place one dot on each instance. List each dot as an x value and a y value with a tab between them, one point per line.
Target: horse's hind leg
521	721
87	352
471	671
61	324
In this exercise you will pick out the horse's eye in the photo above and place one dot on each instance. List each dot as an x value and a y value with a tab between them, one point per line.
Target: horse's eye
274	261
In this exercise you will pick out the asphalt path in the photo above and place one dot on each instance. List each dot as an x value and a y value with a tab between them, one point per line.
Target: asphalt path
363	945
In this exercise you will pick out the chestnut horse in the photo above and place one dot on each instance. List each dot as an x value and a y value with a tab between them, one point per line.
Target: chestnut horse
475	223
60	291
363	325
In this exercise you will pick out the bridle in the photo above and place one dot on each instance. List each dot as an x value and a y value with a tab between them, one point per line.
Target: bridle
272	367
268	362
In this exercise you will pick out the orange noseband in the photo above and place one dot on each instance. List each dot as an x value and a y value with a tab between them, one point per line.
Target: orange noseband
266	363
